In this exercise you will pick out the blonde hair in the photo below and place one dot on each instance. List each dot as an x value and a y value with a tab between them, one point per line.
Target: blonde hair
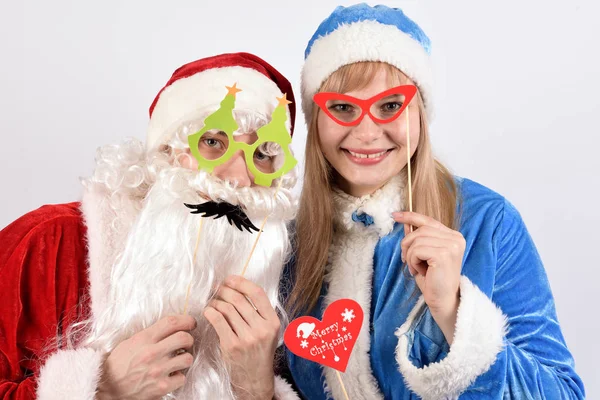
434	190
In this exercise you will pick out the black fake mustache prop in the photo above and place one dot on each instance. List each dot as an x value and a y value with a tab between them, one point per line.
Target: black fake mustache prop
235	214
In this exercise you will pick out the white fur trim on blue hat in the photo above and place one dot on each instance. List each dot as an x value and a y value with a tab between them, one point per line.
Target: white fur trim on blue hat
364	33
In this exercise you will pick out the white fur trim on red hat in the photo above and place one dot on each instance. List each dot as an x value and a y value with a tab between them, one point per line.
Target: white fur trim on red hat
204	90
365	41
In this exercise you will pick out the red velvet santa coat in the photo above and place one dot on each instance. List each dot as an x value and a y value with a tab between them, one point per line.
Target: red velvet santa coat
54	270
43	277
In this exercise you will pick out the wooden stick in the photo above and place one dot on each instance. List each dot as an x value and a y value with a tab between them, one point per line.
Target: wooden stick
260	231
342	384
187	296
254	245
410	205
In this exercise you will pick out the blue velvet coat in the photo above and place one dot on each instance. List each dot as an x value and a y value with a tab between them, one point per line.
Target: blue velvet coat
508	343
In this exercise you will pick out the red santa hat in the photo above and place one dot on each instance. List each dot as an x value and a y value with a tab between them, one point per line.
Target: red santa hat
200	85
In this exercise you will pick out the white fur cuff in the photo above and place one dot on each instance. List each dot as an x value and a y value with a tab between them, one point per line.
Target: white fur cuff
283	390
70	374
478	338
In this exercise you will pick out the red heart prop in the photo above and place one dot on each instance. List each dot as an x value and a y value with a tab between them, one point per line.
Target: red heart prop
330	341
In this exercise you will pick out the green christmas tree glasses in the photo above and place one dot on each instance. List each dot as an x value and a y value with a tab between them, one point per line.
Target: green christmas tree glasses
214	144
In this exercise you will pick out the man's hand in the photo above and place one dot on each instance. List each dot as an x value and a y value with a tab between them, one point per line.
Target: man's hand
146	365
248	329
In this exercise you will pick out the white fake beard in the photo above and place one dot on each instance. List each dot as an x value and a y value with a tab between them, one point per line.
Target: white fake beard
151	278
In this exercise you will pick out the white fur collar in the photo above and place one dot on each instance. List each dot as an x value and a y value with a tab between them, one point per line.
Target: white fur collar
350	273
379	206
106	236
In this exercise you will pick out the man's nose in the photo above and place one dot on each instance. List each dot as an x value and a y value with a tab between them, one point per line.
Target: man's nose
367	130
235	169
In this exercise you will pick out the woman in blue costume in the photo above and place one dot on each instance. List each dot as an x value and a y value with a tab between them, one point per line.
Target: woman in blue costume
455	296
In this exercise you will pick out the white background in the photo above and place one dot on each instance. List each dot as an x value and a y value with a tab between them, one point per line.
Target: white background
517	99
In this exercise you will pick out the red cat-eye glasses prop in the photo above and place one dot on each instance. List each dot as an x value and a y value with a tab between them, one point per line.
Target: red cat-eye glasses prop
383	108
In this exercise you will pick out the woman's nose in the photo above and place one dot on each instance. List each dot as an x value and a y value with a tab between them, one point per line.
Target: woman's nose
367	131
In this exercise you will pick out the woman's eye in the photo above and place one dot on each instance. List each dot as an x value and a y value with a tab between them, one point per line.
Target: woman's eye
342	107
392	106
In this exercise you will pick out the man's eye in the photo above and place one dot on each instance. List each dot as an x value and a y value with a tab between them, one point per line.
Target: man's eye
212	142
261	156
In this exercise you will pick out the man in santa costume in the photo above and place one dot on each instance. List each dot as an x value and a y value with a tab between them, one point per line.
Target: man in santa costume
135	293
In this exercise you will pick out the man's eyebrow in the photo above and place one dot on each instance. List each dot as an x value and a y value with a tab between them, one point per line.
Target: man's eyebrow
216	132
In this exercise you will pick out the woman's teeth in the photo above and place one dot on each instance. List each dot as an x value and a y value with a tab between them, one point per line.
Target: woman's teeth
359	155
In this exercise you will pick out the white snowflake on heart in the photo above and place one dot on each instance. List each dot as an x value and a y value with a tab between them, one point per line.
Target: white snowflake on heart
348	315
304	344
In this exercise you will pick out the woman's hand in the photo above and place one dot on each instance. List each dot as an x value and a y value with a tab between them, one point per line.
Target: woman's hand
434	255
248	335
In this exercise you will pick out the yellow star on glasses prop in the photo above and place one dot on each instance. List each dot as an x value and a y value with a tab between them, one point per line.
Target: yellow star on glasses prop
233	89
283	101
